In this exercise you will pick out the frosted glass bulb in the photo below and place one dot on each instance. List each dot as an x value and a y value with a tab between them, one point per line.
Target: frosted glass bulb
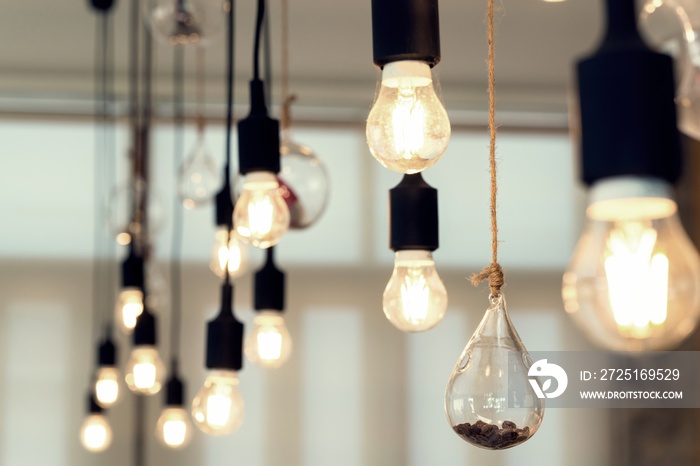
199	179
269	344
107	386
415	299
96	433
233	255
145	370
218	408
185	21
174	429
633	282
261	215
489	401
129	307
408	128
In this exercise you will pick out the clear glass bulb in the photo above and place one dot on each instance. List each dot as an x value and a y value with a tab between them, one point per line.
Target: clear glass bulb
174	429
673	26
145	370
218	408
96	433
199	178
185	21
234	255
129	307
489	401
408	128
107	386
304	183
269	344
633	283
261	215
124	200
415	299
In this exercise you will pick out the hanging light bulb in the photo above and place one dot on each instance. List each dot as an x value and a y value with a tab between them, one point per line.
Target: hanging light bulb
489	401
408	128
228	254
125	208
261	215
107	377
130	301
218	408
174	429
95	433
198	181
634	280
145	370
182	22
673	26
269	344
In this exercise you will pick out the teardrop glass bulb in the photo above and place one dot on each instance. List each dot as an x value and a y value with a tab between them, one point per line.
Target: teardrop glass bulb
489	401
199	178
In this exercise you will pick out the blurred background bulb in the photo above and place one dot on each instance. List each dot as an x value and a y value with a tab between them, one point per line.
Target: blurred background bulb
145	370
129	307
673	26
218	408
261	215
107	386
228	253
122	222
199	178
269	344
96	433
174	429
185	21
634	279
407	129
304	183
415	299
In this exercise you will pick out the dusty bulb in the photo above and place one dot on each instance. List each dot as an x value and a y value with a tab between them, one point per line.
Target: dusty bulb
218	408
107	386
174	429
228	253
269	344
129	306
182	22
261	215
633	282
96	433
408	128
415	299
199	178
145	370
489	401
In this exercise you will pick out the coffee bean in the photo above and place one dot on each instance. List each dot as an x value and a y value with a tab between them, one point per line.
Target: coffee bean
490	436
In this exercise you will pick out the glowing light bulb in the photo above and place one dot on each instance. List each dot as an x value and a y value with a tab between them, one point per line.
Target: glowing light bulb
145	370
634	279
96	433
129	307
269	344
232	256
218	408
261	215
107	386
415	299
174	429
199	179
407	129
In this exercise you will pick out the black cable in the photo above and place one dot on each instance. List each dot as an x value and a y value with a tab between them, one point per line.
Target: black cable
258	33
109	171
267	53
229	116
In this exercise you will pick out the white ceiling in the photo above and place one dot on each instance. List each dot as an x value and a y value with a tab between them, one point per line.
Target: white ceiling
47	52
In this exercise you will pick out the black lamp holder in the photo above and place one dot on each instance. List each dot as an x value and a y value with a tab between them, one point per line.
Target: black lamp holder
405	30
224	205
133	271
258	135
269	285
225	336
145	331
107	353
628	114
93	407
174	389
413	211
102	6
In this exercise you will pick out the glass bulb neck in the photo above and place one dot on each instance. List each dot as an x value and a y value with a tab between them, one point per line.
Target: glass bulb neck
631	198
406	72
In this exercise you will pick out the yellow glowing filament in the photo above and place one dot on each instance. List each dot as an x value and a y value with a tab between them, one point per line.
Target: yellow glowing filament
106	391
637	279
230	255
260	214
270	344
174	432
408	119
132	307
144	375
95	437
415	296
218	407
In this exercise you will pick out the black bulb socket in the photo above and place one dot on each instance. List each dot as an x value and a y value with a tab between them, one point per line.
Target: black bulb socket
413	212
102	5
133	271
174	391
107	353
225	336
269	285
224	205
145	333
258	136
92	406
628	113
